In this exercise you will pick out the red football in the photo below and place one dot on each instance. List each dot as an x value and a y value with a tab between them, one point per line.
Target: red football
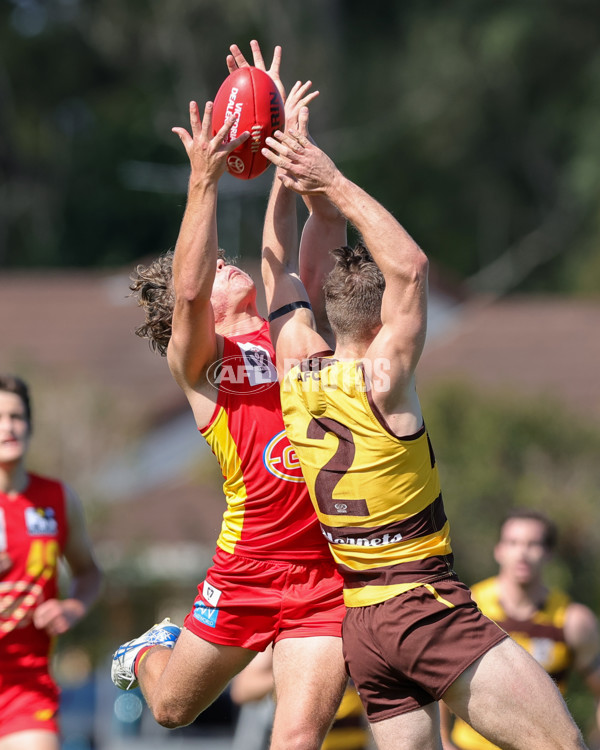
251	95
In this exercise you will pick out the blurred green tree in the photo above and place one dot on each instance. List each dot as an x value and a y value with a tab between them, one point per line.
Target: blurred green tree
497	451
476	124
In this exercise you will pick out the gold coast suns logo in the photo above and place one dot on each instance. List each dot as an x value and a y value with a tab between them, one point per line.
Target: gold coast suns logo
280	459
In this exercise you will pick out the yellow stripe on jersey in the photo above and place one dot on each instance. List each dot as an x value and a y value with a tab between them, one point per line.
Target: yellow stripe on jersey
438	596
223	445
358	557
374	594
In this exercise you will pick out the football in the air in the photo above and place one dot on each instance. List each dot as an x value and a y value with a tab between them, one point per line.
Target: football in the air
251	96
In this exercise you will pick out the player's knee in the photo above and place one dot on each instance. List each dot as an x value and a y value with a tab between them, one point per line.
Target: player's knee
298	737
171	715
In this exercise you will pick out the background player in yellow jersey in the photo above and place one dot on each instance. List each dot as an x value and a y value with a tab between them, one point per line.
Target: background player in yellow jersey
560	634
412	634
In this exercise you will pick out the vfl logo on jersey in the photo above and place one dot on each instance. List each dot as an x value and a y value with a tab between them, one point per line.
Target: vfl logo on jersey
211	593
206	615
280	459
253	374
41	522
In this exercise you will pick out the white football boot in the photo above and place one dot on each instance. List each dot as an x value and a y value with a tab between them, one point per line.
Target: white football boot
164	633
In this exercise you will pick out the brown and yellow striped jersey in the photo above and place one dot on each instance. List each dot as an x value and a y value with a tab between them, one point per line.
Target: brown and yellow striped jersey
542	635
377	495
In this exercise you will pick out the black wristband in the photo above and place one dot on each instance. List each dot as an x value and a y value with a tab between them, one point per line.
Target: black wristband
288	308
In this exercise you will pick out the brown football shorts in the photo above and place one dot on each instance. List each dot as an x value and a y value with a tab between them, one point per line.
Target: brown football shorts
406	652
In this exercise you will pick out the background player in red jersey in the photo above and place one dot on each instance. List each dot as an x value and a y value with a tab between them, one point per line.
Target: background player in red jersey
41	521
272	578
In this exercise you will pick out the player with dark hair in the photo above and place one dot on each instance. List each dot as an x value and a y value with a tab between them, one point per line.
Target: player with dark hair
272	579
560	634
412	633
41	522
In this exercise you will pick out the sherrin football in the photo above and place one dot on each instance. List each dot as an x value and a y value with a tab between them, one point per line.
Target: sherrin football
251	95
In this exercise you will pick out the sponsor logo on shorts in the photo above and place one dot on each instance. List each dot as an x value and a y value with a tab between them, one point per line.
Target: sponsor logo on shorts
211	593
280	459
206	615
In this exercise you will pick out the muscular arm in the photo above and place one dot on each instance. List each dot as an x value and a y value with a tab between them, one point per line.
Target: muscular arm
57	616
404	266
324	230
280	252
307	170
193	345
294	334
583	637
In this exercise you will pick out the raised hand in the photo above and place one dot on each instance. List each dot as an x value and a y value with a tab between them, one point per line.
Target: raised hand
302	166
237	60
298	98
208	154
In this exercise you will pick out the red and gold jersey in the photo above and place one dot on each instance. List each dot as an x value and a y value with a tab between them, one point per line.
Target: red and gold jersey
377	495
542	635
33	532
269	515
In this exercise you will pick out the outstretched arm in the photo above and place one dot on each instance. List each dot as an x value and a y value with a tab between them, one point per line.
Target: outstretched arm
193	345
308	170
293	329
324	230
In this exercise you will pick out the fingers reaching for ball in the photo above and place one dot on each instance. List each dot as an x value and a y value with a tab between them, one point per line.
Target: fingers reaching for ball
258	58
303	135
298	98
208	152
236	59
301	165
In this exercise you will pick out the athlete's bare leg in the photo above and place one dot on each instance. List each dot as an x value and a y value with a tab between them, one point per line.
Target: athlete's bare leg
179	683
30	739
310	678
416	730
507	697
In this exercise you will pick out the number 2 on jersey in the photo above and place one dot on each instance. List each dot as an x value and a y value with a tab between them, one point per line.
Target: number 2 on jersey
330	475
